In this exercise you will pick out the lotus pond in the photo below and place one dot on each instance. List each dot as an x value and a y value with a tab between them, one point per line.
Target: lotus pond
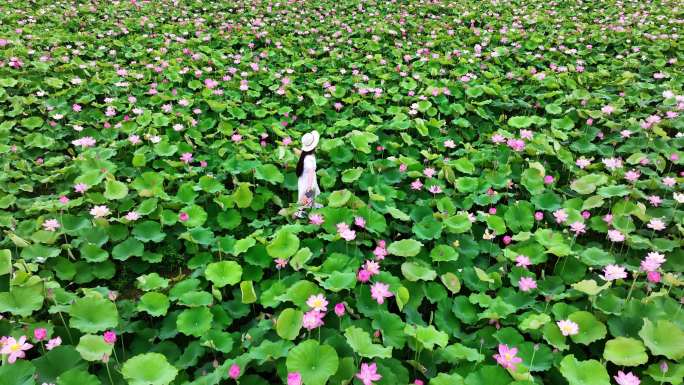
501	192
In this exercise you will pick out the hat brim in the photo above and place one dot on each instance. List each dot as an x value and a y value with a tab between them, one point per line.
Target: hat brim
314	143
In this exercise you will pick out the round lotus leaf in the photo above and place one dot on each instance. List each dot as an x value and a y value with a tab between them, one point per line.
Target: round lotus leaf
223	273
148	369
93	347
316	363
625	351
93	314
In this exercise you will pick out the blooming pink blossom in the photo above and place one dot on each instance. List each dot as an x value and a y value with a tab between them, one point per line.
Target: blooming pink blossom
416	185
312	319
360	222
507	358
15	349
132	216
527	284
363	276
539	215
100	211
567	327
613	272
317	302
615	236
316	219
380	291
183	216
53	343
582	163
560	216
368	374
578	228
80	187
522	261
656	224
186	157
628	378
280	263
51	225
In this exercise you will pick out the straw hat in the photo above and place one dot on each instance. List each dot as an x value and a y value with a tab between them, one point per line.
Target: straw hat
310	140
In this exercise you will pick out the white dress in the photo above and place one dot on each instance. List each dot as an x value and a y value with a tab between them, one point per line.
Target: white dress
307	181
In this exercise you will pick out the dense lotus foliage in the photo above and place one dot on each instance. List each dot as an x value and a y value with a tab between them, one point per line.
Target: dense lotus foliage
501	192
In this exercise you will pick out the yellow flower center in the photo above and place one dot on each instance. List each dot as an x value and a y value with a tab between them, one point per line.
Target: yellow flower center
508	356
15	347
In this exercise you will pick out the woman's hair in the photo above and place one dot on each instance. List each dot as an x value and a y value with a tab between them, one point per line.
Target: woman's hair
300	163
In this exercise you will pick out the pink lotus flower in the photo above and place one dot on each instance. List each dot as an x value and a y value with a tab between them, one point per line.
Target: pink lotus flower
372	267
183	216
429	172
548	179
613	272
100	211
507	357
80	187
582	163
615	236
53	343
340	309
567	327
312	319
368	374
280	263
652	261
316	219
110	337
294	378
578	228
63	200
360	221
186	157
15	349
653	276
416	185
560	216
607	109
363	276
51	225
434	189
132	216
526	284
234	371
656	224
539	215
522	261
317	302
40	334
380	291
628	378
403	167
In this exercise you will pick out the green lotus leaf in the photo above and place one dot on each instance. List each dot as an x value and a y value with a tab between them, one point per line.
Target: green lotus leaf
457	352
316	363
459	223
663	338
625	351
128	248
148	231
247	291
20	373
405	248
77	376
154	304
429	336
243	195
289	323
451	281
589	372
339	280
443	253
284	244
224	273
588	183
339	198
94	348
363	345
269	173
93	314
520	121
590	328
196	216
195	321
115	190
152	281
418	271
22	301
148	369
447	379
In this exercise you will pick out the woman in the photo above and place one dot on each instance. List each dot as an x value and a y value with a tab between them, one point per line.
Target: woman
306	172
